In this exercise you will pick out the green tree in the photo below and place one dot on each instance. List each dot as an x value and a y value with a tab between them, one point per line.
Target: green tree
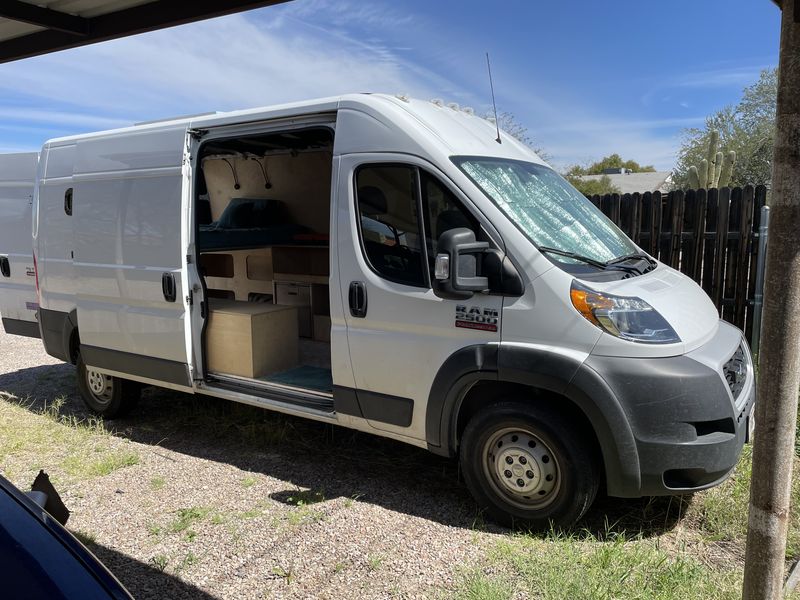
590	187
612	161
747	128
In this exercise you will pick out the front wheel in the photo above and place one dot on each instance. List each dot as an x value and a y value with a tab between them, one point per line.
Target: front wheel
106	395
528	466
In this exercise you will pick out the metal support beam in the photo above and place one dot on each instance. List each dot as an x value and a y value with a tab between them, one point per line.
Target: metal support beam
154	15
43	17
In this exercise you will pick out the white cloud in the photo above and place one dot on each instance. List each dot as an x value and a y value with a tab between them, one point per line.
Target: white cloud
298	51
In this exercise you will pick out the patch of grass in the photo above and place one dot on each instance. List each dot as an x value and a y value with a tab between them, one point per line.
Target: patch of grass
374	561
82	466
67	446
721	512
85	537
249	481
154	530
305	497
187	516
157	483
476	585
339	567
570	566
160	562
348	502
303	515
187	561
283	573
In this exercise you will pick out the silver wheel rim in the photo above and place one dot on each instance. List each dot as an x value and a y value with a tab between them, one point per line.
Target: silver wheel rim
100	385
521	468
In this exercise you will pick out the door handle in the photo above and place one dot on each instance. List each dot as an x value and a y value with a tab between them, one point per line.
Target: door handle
5	266
358	299
168	287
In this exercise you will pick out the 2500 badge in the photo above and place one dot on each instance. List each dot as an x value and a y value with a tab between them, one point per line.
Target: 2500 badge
475	317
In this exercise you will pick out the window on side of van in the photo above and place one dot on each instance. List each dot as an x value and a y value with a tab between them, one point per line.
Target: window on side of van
391	233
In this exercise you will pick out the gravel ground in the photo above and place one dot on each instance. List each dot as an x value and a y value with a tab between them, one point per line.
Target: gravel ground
229	501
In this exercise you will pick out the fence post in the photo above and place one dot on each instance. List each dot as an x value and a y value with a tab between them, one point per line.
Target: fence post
758	298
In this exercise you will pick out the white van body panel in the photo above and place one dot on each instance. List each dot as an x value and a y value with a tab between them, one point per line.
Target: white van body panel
407	329
684	305
127	230
55	245
18	291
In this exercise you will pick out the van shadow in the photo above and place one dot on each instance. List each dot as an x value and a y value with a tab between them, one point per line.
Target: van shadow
326	459
144	580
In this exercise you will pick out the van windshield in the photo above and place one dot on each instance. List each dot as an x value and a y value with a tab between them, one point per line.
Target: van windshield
547	209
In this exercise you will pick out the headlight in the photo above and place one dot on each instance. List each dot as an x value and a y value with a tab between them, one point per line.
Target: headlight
628	318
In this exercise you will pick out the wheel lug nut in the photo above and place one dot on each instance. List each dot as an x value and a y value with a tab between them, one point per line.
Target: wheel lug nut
520	483
507	473
523	460
529	474
509	460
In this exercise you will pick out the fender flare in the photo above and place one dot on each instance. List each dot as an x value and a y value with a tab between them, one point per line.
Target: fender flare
70	328
547	370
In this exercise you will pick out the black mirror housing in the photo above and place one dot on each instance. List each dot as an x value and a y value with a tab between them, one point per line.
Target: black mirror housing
463	263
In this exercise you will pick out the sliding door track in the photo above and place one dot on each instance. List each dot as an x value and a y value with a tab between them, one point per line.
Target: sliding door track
287	394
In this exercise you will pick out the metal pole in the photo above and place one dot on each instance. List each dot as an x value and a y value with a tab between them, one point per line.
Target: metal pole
758	300
779	354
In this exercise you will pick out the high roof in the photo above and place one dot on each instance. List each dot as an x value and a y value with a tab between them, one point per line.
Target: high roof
32	27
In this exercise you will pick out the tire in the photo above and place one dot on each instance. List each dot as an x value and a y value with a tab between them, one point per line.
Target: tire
107	396
529	466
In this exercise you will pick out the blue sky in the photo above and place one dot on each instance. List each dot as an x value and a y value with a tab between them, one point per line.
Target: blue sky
587	78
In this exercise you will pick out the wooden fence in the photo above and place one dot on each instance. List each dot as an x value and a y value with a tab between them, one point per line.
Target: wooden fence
710	235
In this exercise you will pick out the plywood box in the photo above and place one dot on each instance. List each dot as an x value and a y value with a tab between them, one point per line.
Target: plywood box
250	339
322	328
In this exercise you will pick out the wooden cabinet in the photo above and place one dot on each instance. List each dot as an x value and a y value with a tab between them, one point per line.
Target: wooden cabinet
250	339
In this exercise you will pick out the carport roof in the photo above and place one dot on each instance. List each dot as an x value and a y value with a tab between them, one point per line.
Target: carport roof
32	27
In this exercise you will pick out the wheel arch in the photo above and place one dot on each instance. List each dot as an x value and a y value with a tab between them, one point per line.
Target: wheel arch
478	375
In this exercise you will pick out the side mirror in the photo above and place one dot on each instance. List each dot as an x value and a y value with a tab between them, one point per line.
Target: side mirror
458	263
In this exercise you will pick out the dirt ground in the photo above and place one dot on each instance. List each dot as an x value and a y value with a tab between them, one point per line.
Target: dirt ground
228	501
191	497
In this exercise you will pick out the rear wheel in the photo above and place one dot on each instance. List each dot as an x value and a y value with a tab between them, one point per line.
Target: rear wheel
106	395
528	466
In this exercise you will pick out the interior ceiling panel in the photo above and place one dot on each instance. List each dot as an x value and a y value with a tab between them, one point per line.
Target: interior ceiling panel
32	27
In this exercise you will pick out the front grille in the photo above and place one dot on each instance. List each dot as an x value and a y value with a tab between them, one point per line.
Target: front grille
735	371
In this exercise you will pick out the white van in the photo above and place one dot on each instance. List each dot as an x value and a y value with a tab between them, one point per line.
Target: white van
388	265
17	288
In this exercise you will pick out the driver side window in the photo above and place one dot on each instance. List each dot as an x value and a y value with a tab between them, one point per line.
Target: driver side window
388	212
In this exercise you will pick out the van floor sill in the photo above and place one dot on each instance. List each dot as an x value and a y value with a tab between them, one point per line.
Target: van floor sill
311	399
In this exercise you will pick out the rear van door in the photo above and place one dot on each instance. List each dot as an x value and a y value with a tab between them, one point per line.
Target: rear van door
130	258
18	302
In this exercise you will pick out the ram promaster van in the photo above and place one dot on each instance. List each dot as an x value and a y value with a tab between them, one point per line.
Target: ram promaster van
388	265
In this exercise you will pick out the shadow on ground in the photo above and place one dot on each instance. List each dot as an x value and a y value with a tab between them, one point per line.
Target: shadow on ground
145	580
329	460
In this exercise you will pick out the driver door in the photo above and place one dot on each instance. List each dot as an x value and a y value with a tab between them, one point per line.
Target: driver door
400	332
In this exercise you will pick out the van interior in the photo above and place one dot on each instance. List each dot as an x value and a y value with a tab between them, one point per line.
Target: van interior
262	213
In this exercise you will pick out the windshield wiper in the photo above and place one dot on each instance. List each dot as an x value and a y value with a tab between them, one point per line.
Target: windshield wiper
627	257
591	261
637	256
585	259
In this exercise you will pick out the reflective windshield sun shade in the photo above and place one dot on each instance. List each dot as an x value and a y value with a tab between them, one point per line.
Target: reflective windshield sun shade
546	208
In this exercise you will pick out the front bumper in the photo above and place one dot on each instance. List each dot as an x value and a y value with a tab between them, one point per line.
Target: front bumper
688	422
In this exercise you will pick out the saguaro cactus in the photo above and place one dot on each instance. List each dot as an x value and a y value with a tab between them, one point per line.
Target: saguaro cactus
715	170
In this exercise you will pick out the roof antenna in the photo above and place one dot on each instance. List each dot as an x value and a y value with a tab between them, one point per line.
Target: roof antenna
494	105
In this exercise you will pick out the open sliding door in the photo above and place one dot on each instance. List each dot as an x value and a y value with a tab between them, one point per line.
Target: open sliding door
130	258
